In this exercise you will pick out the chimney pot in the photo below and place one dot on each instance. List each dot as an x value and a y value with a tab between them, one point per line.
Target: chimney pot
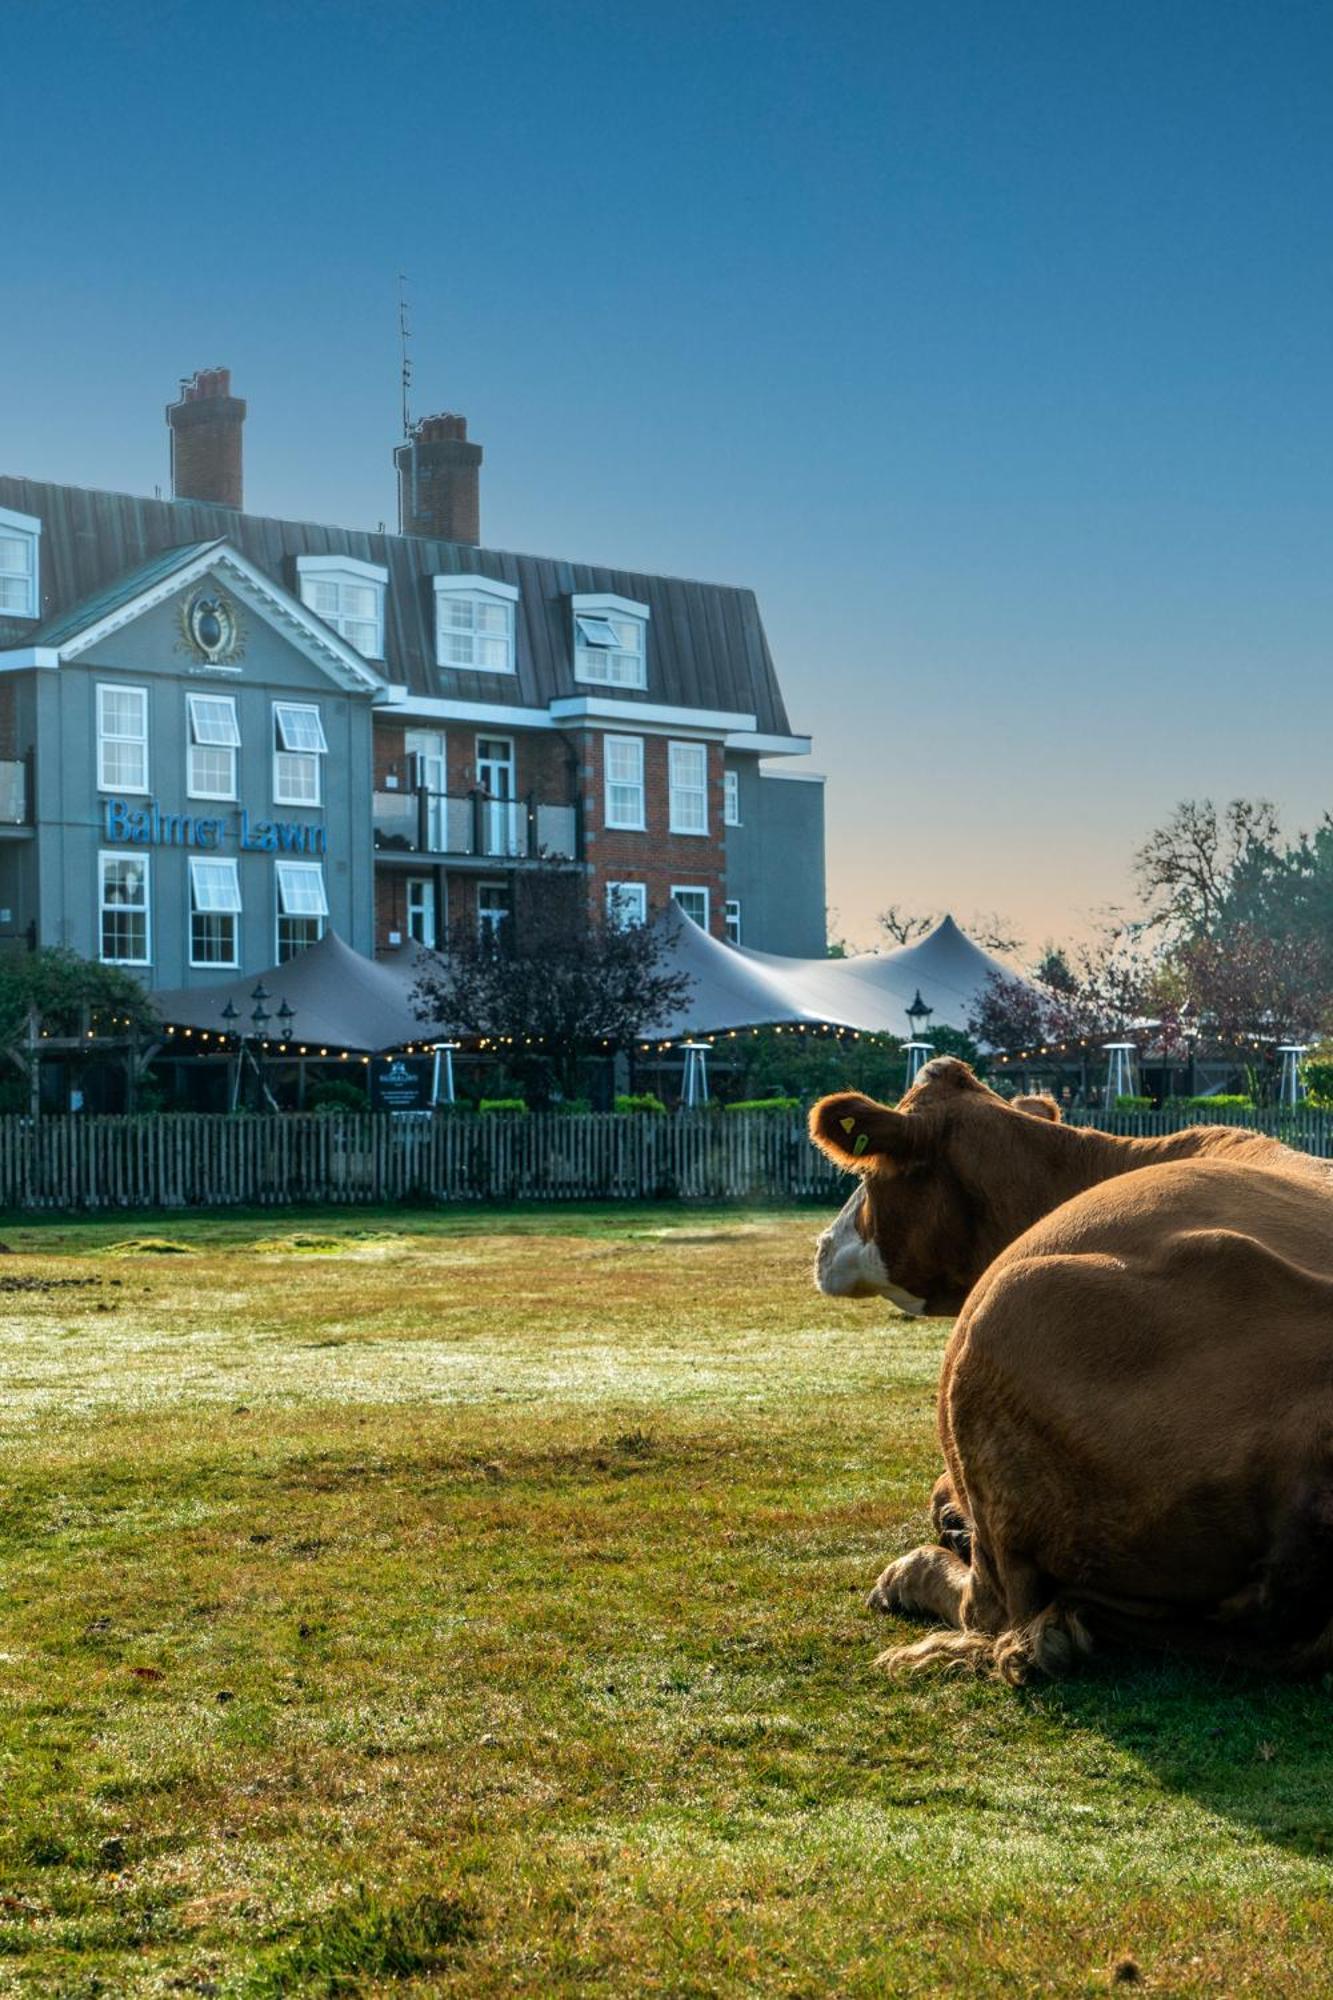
205	428
439	480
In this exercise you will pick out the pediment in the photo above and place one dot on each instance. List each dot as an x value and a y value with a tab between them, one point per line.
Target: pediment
213	611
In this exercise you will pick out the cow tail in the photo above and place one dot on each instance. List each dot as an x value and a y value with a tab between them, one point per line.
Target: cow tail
1050	1645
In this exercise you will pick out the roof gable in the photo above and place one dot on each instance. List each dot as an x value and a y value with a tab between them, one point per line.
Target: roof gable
166	576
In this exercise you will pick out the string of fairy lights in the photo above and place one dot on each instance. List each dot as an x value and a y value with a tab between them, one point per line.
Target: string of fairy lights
217	1041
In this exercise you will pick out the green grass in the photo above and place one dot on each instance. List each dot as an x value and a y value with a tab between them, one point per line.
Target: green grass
472	1604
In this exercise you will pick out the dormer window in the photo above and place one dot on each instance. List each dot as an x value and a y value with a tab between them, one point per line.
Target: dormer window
349	596
20	593
610	641
474	624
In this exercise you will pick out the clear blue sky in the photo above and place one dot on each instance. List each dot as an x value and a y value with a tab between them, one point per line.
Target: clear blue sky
989	343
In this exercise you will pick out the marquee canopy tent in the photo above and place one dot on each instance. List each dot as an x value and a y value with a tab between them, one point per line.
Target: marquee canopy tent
340	1000
946	968
734	988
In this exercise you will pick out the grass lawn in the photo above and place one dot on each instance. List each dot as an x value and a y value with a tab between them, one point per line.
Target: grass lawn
473	1604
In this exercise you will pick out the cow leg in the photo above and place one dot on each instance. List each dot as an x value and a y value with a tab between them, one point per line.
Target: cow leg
953	1530
930	1583
1005	1620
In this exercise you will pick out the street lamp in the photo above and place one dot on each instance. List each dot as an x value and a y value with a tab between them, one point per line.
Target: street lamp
918	1050
286	1015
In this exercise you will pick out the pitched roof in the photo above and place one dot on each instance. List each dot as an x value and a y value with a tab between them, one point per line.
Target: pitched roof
76	618
707	647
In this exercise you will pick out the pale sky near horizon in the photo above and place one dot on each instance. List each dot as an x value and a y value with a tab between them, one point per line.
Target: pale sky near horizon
990	345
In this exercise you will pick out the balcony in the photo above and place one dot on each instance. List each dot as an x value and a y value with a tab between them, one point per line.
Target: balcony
14	793
471	826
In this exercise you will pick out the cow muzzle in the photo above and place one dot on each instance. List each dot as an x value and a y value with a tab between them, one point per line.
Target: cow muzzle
847	1267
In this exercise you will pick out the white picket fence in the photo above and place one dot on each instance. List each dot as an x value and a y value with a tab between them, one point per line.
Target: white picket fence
204	1160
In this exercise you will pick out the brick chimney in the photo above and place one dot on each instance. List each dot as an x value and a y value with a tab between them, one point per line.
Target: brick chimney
206	440
438	481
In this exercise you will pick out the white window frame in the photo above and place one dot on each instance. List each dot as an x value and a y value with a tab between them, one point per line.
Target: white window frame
687	796
486	924
106	737
626	904
421	905
228	905
476	591
607	664
26	528
679	889
731	798
143	861
310	754
611	785
731	919
287	875
229	740
339	573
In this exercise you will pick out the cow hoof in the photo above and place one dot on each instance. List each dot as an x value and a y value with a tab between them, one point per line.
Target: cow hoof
899	1588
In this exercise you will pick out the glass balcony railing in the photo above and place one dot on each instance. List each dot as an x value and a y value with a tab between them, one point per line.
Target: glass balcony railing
471	824
13	792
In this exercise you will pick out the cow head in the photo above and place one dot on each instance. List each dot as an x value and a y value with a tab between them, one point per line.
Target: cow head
947	1179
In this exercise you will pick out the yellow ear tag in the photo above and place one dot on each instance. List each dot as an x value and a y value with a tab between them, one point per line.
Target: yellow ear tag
847	1124
862	1141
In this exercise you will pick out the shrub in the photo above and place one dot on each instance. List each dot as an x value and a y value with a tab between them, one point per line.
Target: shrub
764	1104
570	1107
502	1104
1133	1104
337	1095
1237	1101
645	1101
1319	1082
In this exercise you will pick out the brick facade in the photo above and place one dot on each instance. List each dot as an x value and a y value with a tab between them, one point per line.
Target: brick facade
658	858
555	766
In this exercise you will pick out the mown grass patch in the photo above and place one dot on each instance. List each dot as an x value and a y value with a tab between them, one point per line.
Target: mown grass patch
484	1613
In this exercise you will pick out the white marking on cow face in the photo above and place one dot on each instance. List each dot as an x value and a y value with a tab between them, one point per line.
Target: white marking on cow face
847	1267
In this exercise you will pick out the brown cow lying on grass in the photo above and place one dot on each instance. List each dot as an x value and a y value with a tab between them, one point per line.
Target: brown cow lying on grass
1136	1404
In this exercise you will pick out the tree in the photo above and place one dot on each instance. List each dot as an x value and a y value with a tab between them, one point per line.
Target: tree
1107	985
901	926
1012	1014
69	995
1186	867
76	1002
558	983
1245	984
987	928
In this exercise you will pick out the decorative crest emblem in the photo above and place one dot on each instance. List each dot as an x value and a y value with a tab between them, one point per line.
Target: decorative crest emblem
211	626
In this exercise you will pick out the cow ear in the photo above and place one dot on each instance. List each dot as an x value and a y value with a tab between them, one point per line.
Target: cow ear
1038	1107
858	1134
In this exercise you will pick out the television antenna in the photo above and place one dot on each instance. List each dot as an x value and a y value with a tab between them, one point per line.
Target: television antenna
404	337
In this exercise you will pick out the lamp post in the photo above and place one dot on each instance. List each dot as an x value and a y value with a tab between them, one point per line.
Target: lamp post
918	1050
260	1018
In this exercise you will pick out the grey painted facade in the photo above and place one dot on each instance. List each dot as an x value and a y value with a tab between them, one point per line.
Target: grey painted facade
51	882
775	861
